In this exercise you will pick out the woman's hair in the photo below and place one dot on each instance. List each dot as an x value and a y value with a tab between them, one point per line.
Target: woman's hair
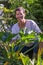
20	9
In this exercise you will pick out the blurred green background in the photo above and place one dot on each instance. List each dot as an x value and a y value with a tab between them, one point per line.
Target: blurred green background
34	11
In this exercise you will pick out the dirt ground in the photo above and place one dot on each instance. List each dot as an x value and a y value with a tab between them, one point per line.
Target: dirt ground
40	51
41	45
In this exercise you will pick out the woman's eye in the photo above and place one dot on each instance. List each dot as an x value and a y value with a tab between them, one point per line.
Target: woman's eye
20	13
17	14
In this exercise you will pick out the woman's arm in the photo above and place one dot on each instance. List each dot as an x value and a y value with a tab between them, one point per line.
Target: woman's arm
36	27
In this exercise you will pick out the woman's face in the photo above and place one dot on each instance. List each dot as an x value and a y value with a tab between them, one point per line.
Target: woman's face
20	15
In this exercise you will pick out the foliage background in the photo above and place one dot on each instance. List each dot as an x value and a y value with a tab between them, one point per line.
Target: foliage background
34	9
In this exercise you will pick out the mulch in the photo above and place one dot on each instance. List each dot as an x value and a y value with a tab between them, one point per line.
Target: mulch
41	45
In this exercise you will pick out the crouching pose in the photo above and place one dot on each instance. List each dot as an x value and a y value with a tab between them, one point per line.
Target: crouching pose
30	25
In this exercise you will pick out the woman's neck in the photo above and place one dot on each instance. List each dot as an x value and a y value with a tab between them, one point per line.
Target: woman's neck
22	24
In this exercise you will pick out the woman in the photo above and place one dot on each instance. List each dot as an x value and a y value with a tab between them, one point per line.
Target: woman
21	24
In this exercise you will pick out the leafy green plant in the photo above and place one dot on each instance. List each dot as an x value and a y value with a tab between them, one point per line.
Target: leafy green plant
8	54
10	57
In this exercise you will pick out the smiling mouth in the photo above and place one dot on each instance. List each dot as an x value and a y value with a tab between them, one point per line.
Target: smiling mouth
21	17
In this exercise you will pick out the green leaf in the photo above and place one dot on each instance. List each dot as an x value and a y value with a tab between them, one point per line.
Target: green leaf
25	59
